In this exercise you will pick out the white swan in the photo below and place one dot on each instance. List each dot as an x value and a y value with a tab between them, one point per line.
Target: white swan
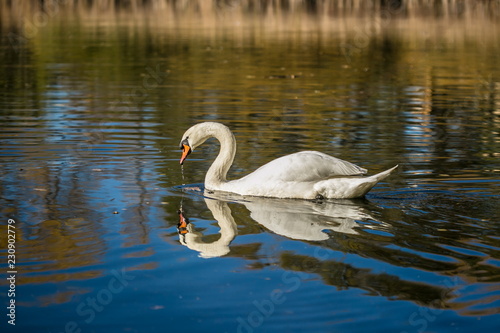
303	175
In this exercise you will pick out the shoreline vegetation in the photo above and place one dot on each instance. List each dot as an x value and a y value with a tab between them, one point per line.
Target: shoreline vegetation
357	31
270	14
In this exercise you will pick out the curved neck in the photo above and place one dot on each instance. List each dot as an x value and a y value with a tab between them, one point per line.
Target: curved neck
228	231
217	173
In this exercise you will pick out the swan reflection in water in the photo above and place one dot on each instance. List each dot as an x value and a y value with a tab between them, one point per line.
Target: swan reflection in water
294	219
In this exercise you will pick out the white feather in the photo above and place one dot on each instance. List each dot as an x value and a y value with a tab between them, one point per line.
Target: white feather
303	175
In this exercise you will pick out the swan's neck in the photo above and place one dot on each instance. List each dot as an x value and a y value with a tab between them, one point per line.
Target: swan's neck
228	231
216	175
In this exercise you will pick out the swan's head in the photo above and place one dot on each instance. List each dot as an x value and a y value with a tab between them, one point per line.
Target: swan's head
186	150
198	134
192	138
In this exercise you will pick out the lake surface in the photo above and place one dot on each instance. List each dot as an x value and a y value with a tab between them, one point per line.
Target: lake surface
92	109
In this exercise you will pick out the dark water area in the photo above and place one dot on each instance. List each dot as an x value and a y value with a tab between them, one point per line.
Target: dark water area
93	104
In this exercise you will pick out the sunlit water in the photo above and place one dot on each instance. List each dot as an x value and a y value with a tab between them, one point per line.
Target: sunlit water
91	119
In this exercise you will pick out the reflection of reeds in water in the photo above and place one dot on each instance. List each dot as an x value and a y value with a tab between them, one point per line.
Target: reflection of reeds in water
275	14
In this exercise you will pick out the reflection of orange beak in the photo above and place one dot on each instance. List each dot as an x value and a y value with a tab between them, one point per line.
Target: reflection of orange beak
186	150
183	222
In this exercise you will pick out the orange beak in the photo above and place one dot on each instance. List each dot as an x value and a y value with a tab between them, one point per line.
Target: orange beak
186	150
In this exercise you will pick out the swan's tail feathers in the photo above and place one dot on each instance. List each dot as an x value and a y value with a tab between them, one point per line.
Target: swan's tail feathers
349	188
382	175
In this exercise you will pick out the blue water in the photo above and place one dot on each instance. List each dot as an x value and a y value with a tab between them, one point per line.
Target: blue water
90	170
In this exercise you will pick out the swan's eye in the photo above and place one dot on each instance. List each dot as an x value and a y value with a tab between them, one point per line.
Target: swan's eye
184	143
186	150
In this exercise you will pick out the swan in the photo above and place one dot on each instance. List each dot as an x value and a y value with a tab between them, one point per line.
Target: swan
303	175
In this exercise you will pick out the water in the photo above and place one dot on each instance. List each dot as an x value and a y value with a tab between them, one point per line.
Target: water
92	112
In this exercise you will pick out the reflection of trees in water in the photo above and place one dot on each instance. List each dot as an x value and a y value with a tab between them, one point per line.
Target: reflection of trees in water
359	96
62	216
345	276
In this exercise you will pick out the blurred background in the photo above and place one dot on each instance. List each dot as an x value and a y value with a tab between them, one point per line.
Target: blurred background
94	99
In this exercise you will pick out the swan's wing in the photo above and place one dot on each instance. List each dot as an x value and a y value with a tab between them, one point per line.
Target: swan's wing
306	166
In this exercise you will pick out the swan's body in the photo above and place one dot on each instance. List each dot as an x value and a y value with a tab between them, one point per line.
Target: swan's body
303	175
